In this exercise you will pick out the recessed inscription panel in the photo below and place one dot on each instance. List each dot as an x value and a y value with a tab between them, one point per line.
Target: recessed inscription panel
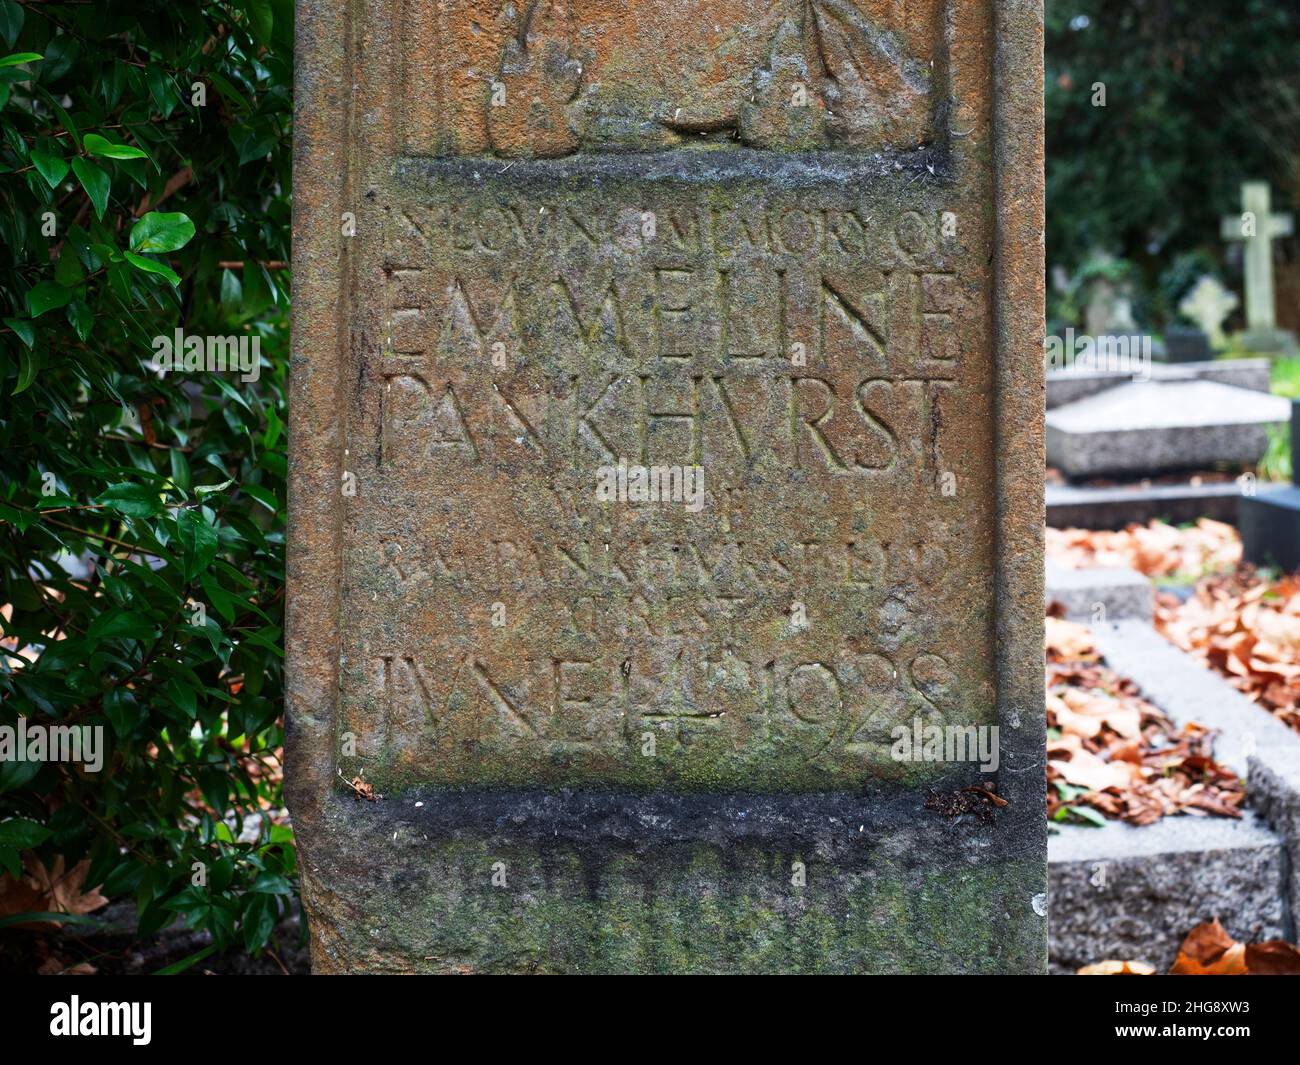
671	471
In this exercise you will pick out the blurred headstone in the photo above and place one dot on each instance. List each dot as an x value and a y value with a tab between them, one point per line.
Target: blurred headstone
1151	427
1269	521
1110	309
1208	304
1186	344
1257	226
1286	282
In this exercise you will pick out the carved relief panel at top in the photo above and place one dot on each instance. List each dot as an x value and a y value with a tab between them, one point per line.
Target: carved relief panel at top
547	78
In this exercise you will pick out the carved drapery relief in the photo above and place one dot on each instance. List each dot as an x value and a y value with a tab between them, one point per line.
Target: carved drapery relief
548	78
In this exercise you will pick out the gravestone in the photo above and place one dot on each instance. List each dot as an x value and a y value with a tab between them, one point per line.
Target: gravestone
1108	321
666	475
1269	521
1207	304
1186	344
1149	427
1109	311
1066	386
1257	226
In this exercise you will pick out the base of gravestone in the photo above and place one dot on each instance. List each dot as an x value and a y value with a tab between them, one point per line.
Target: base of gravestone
1274	341
1186	345
586	882
1269	524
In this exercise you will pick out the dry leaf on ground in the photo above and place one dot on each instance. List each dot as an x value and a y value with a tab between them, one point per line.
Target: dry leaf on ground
1156	549
55	965
65	890
1246	628
1068	641
1208	950
52	890
1272	958
1112	754
1110	967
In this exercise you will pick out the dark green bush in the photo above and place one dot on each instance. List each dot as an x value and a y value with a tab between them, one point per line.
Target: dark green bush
1198	98
144	180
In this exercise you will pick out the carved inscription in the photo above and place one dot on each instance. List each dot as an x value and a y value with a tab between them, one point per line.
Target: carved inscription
799	347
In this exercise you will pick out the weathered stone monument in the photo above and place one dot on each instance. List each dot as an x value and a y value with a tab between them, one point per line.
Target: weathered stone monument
665	565
1257	227
1109	308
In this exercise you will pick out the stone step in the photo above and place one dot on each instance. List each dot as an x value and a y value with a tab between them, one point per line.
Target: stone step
1188	691
1133	893
1083	507
1100	593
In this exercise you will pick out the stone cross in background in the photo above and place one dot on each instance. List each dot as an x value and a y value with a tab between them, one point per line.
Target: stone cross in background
1207	304
1257	226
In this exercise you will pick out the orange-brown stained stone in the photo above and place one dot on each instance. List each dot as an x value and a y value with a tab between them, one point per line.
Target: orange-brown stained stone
794	246
543	79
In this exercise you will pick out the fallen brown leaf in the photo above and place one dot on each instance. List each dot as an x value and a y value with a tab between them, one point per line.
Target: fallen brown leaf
1156	549
1247	629
63	890
1110	967
18	896
1112	751
362	790
1068	641
1208	950
1272	958
53	890
56	966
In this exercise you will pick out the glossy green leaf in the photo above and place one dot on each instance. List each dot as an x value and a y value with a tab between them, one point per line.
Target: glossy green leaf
11	21
22	329
22	834
52	168
102	146
135	500
95	182
198	540
161	232
47	296
153	266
